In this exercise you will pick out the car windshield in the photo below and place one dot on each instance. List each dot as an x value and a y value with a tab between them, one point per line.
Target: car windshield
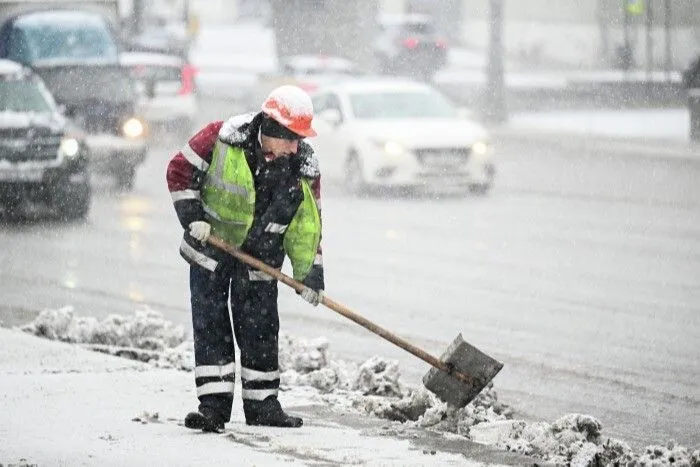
23	96
69	41
407	104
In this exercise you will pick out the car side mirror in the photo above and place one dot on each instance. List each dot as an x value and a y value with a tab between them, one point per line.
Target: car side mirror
331	116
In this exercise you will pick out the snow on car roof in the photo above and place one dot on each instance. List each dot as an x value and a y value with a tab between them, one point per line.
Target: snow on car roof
8	67
80	18
149	58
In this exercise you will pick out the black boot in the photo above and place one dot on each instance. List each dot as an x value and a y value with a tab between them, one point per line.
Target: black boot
205	421
269	413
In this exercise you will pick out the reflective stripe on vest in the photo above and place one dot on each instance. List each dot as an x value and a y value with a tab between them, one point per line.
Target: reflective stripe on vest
303	235
228	194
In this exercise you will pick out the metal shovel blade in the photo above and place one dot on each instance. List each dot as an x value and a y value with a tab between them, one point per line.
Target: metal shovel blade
479	368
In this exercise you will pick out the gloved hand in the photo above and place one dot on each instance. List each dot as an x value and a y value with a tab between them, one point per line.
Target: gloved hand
313	292
312	296
200	230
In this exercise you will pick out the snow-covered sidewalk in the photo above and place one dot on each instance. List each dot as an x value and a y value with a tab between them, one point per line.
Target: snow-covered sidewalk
65	405
69	397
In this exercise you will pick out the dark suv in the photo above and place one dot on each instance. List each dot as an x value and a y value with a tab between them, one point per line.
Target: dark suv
409	45
41	159
77	56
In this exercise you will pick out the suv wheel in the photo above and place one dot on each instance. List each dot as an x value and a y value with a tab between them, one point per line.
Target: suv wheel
354	179
125	178
74	204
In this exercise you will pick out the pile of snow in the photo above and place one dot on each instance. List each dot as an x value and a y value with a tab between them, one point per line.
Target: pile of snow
144	336
576	440
372	388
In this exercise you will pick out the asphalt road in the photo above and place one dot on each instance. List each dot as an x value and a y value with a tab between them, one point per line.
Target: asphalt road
580	271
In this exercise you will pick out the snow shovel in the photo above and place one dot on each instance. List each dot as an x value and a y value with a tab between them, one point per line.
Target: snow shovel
460	374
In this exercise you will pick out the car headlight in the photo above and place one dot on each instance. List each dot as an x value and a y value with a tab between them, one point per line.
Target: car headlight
70	147
133	128
390	148
480	148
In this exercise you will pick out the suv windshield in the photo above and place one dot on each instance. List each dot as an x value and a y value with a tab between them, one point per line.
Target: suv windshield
390	105
23	95
41	40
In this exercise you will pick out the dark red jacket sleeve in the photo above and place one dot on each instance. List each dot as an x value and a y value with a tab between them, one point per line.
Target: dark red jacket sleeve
185	173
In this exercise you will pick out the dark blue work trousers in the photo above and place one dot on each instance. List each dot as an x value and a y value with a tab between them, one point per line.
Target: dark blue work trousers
255	320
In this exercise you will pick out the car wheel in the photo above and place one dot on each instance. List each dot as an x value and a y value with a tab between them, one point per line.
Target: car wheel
484	187
126	177
354	178
480	188
74	204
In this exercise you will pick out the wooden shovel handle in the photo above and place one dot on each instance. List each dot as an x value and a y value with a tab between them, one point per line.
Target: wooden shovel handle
340	309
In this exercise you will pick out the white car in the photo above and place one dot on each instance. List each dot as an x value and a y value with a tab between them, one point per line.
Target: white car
400	134
166	88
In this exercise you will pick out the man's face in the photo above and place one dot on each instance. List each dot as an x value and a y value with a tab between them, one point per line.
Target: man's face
272	148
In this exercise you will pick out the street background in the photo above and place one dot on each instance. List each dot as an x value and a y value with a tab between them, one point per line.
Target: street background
580	270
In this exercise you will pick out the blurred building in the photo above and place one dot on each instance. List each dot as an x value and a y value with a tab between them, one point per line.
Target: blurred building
545	33
592	33
589	33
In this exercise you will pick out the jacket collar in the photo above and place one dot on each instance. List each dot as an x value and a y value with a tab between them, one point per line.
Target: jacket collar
242	131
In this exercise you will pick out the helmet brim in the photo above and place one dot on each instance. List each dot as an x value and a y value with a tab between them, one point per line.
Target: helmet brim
305	133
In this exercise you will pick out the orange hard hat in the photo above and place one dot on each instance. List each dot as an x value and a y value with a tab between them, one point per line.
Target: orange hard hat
291	107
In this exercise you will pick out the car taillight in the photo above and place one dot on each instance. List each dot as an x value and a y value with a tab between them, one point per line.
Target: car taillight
410	43
441	44
188	74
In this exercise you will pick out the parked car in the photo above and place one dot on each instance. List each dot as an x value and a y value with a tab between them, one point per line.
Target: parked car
76	54
161	36
309	72
166	89
409	45
399	134
160	26
42	158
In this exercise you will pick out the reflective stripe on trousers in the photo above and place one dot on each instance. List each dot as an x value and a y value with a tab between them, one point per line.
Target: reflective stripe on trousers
259	385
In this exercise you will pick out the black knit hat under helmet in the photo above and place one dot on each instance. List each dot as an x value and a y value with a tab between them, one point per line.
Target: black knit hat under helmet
270	127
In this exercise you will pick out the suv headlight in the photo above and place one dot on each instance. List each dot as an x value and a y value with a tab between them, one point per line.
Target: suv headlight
133	128
480	148
70	147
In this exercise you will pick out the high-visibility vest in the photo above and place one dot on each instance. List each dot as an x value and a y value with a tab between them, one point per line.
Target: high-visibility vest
303	235
228	198
228	194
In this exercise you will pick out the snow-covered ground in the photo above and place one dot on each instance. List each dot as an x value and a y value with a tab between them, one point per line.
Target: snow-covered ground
66	405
